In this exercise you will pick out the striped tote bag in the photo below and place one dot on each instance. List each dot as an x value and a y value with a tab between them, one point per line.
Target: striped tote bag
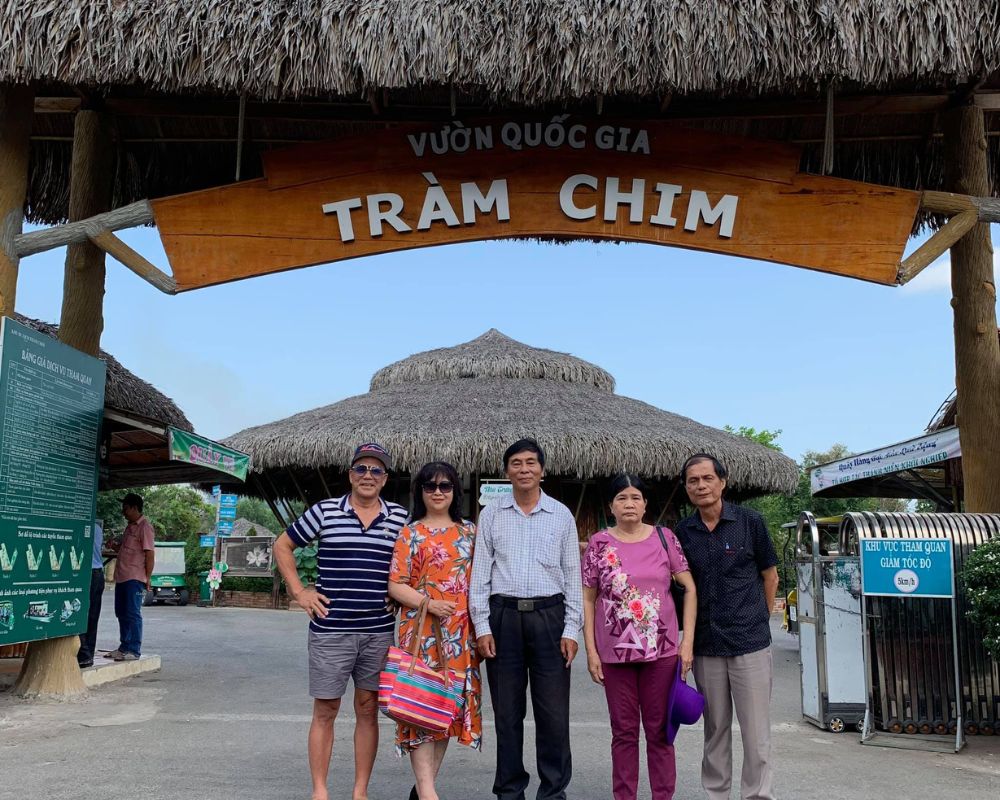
414	694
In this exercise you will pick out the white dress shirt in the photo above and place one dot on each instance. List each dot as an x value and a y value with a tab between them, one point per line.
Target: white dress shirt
526	555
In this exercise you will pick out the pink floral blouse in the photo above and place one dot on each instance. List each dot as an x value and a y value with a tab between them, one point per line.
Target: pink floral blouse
634	614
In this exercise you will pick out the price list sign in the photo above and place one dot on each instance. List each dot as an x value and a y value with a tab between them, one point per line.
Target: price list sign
51	403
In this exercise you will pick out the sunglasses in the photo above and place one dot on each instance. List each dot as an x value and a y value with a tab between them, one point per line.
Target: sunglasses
444	487
362	469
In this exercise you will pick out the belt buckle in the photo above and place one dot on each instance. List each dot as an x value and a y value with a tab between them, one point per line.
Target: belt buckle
525	605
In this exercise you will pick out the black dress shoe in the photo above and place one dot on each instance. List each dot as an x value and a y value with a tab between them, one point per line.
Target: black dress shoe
85	664
413	793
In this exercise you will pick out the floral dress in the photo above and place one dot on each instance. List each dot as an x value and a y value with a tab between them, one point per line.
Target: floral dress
635	618
438	562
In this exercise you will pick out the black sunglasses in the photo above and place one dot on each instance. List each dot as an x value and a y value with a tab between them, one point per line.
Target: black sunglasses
444	486
361	469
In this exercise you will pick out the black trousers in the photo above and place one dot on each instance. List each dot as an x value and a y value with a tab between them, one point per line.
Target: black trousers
88	640
527	645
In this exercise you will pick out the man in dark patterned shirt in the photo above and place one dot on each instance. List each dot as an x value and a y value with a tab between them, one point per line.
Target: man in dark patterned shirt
733	563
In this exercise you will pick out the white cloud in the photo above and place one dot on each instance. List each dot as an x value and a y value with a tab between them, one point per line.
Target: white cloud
937	277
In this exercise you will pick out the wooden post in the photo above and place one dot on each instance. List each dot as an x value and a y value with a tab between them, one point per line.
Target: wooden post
91	185
17	107
50	669
974	297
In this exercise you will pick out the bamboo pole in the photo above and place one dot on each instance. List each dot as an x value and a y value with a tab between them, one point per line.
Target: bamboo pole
91	185
16	111
130	216
977	352
925	255
125	255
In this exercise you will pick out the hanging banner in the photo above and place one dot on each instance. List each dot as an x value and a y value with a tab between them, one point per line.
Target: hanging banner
920	452
193	449
563	178
51	406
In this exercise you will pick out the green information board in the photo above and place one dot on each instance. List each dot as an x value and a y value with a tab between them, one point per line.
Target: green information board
51	403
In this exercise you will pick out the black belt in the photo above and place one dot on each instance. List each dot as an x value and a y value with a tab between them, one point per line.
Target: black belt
527	603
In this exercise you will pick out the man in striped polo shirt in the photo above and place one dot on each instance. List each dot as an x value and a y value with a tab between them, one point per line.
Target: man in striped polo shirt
351	628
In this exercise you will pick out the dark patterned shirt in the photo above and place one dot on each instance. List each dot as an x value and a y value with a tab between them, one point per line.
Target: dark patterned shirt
733	617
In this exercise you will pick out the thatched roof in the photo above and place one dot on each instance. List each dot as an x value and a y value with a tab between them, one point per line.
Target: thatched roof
124	390
521	52
466	404
321	69
244	527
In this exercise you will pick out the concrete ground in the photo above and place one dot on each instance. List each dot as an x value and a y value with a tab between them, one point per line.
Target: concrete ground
226	717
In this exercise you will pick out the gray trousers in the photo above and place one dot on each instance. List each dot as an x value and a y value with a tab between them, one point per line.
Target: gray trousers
743	682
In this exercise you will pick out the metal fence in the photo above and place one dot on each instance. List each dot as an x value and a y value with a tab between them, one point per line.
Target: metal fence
913	685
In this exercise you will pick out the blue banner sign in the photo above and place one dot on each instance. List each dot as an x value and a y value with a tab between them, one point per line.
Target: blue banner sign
227	512
224	527
206	540
216	491
228	500
907	567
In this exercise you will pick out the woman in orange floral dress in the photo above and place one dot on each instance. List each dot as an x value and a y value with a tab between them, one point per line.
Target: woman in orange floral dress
433	559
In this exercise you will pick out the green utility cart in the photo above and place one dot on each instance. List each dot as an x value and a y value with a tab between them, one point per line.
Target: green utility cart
168	585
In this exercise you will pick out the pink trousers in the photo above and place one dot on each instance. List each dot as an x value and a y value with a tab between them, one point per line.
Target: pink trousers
637	693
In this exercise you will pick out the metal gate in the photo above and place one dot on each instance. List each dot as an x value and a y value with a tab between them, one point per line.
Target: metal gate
912	676
829	614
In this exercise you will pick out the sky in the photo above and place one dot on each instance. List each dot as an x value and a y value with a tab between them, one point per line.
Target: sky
723	340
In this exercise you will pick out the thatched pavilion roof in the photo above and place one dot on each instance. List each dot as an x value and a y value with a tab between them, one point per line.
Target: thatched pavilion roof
172	73
521	52
466	404
123	389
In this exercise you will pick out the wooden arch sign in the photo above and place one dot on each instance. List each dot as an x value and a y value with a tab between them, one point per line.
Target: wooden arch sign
418	186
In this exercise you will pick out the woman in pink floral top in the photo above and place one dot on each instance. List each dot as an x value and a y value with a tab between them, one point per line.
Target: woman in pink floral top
630	630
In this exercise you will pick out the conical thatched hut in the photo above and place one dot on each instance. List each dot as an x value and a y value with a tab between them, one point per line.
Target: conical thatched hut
465	404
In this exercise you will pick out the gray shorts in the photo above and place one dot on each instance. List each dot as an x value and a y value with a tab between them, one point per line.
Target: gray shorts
335	657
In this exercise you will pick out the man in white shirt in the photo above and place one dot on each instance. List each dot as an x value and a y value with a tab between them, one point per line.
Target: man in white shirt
526	603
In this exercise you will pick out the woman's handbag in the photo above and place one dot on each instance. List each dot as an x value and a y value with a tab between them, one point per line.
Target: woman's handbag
414	694
676	590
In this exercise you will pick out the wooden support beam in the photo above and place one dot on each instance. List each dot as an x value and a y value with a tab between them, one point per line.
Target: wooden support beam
124	254
974	300
130	216
925	255
850	105
91	185
15	144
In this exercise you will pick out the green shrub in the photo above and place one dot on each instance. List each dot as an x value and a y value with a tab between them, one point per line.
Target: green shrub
982	584
307	563
247	584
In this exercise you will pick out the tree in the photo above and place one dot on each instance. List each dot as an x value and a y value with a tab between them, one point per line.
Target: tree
176	512
778	509
762	436
257	511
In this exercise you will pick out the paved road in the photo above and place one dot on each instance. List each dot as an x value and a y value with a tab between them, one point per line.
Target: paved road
227	717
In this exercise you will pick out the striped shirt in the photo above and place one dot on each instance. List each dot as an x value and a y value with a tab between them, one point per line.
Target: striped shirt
353	564
526	555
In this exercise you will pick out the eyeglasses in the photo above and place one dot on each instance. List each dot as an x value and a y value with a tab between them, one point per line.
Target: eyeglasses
362	469
444	487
